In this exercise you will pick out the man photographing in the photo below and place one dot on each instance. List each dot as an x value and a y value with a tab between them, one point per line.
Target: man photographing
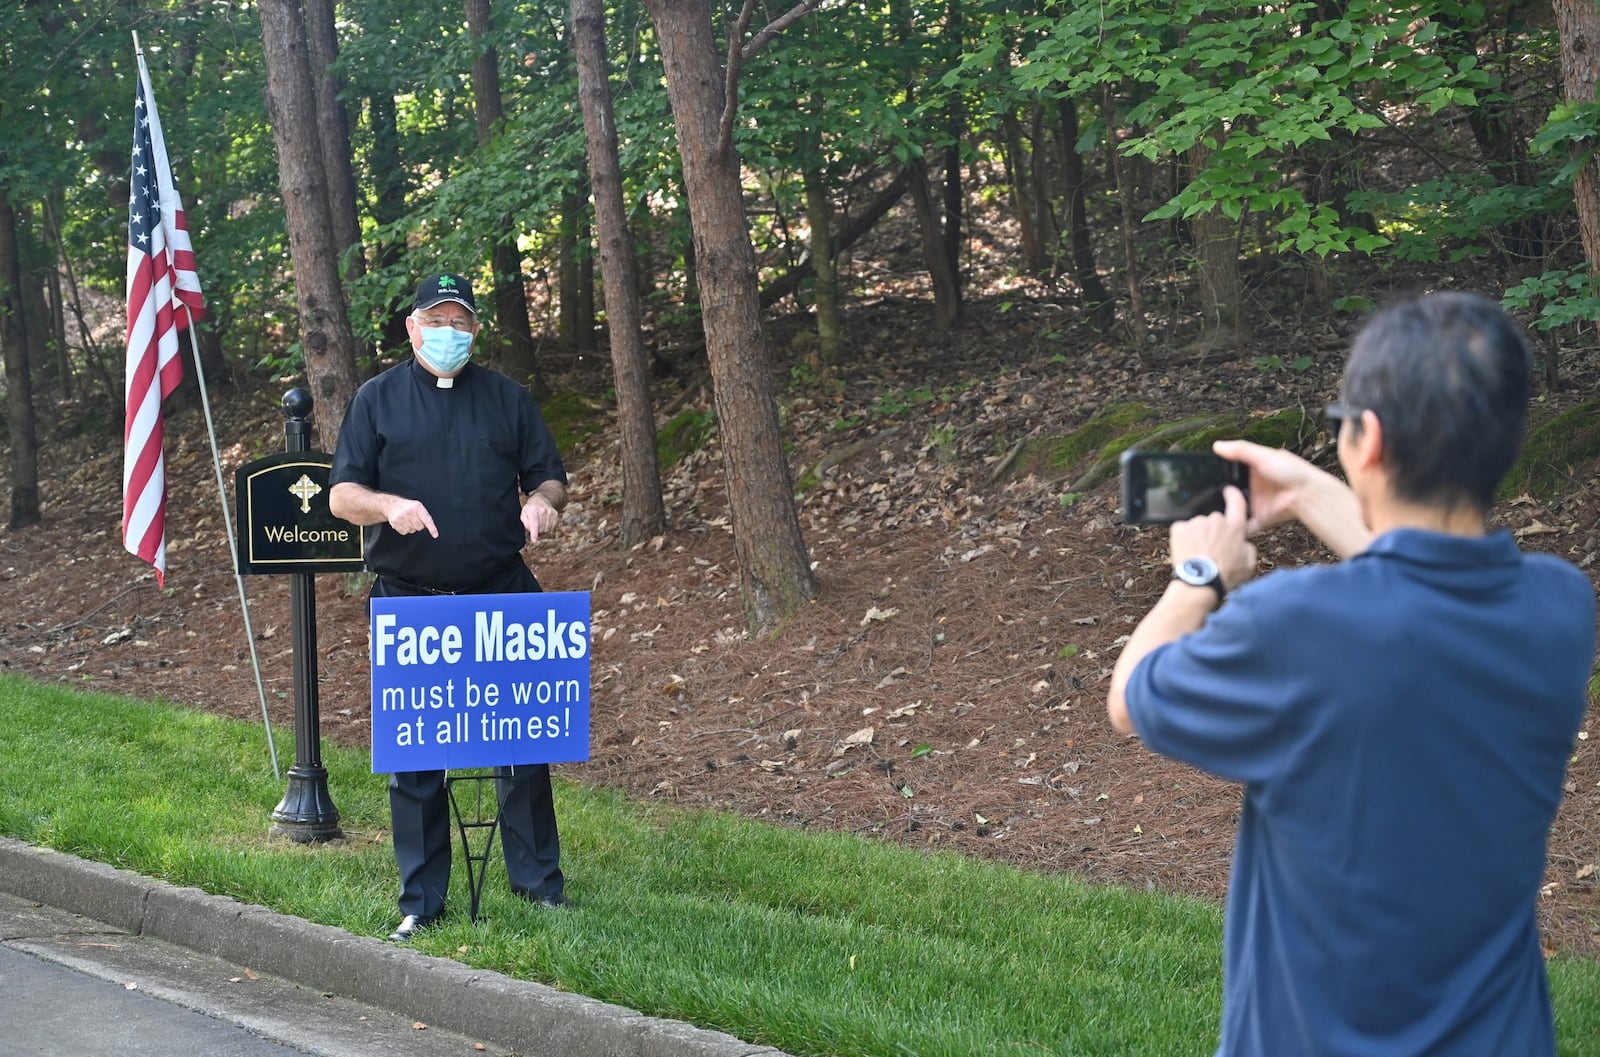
1401	721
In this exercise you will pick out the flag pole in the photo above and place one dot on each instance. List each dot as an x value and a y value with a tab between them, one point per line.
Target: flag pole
233	544
216	462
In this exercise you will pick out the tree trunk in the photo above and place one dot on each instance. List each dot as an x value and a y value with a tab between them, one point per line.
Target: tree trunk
1340	175
1137	329
1505	154
58	334
943	280
775	571
14	327
1039	179
586	316
954	222
1578	22
327	342
1216	248
389	203
1102	309
54	206
567	273
35	266
333	131
644	513
1024	203
954	194
819	217
821	251
946	292
575	269
211	356
513	325
1521	246
95	368
691	274
488	106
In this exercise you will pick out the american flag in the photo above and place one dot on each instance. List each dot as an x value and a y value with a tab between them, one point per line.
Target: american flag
163	293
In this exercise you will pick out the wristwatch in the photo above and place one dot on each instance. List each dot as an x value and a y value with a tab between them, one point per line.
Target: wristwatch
1201	572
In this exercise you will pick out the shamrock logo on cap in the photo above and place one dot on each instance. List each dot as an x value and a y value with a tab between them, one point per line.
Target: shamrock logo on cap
447	282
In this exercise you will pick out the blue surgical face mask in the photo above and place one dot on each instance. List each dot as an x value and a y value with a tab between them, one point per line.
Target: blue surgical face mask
445	349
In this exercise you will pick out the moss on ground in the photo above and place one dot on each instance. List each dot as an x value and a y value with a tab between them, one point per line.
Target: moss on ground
684	432
1553	452
1056	455
1105	436
1556	451
1289	428
572	417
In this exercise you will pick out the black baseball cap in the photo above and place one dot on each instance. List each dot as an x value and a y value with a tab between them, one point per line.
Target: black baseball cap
437	289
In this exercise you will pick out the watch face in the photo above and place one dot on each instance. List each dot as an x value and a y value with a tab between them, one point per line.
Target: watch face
1201	572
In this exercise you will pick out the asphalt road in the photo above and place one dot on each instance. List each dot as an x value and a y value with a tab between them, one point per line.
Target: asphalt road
72	987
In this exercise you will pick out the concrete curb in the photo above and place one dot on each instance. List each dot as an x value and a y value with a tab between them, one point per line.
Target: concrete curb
525	1017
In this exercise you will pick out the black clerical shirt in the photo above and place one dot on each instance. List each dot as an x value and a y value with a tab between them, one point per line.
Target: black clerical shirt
467	452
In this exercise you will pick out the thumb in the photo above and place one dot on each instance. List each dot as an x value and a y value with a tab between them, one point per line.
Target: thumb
1236	509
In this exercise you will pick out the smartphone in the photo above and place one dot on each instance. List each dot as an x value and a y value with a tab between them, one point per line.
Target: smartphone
1160	487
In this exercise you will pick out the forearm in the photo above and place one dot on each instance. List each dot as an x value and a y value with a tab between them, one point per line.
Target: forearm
1330	510
1182	609
553	493
359	504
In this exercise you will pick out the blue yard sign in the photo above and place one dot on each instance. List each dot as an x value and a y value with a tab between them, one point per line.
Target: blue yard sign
479	680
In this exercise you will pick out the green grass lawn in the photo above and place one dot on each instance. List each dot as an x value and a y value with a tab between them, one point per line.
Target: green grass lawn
818	944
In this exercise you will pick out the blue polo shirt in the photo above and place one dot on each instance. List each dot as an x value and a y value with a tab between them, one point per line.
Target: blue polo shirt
467	451
1401	723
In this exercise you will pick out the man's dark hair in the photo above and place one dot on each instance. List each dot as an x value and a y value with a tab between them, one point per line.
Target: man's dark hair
1447	375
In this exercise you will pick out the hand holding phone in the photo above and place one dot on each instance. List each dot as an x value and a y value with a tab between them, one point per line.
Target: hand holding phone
1159	488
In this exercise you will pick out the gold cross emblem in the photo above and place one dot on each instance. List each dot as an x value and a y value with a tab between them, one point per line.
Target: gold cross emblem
303	490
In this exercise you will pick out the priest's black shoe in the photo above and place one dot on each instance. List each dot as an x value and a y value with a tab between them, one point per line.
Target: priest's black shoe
547	902
409	926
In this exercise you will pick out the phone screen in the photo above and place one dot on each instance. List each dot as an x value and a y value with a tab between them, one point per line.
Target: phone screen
1162	487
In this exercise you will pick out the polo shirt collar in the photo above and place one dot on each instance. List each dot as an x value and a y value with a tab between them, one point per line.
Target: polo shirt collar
1492	556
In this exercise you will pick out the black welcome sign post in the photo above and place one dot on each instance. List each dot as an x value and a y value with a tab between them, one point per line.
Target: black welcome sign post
285	526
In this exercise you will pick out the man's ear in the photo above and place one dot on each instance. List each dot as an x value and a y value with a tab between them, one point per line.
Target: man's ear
1366	445
412	331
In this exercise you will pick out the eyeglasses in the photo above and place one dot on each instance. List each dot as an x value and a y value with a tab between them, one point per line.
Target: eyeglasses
1336	413
455	322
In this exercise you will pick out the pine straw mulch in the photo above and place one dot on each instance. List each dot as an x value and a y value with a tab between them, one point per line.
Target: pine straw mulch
946	690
